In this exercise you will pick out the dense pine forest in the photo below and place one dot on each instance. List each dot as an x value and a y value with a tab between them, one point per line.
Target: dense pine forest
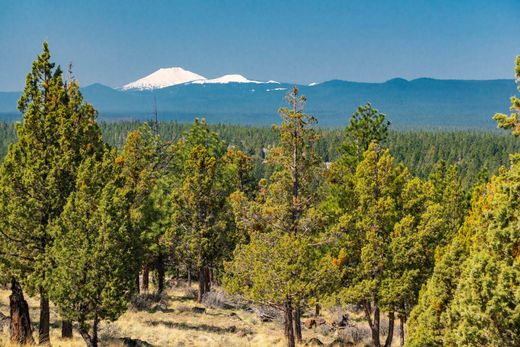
417	229
472	152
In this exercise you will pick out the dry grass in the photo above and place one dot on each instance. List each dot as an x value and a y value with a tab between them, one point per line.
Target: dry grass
178	325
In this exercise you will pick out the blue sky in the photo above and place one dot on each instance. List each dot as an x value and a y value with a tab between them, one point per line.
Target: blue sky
115	42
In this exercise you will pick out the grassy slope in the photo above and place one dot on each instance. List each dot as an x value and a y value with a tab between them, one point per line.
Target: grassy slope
177	325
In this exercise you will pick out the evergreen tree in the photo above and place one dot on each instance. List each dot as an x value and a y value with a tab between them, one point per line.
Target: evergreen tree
280	263
366	125
486	304
96	250
428	322
513	120
424	225
472	297
200	221
367	234
143	161
39	173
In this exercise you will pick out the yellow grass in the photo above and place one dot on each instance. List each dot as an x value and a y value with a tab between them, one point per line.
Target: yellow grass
178	326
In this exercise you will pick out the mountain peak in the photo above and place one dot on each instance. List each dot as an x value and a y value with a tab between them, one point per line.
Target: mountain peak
164	77
232	78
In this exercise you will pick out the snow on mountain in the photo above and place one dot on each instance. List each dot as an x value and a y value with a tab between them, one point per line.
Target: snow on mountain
234	78
164	78
167	77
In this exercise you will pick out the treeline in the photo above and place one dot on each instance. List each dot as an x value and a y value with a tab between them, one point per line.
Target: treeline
473	152
86	225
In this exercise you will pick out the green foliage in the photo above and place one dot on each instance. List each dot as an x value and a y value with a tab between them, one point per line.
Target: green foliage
472	297
95	250
512	121
275	266
368	228
143	161
366	125
474	300
39	172
280	260
199	222
419	150
388	224
486	305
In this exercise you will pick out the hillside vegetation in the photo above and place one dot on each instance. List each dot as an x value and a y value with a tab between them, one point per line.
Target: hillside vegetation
175	234
471	151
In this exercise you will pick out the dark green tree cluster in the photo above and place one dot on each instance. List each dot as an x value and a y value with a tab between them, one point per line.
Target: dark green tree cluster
73	213
201	226
472	297
470	151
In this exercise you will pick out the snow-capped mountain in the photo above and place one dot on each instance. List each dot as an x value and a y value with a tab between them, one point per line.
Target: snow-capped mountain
167	77
412	103
234	78
163	78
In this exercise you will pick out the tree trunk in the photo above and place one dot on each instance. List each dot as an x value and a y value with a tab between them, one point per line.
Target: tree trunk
66	329
189	277
298	324
45	319
289	332
317	310
377	323
95	331
145	285
137	284
90	340
160	273
390	335
202	284
207	273
86	337
373	324
402	321
20	326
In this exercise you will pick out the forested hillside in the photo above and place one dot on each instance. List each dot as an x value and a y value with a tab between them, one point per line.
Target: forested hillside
422	102
415	233
472	151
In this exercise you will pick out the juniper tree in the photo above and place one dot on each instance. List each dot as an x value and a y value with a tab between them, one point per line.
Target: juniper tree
512	121
280	262
143	159
428	324
96	249
365	126
368	233
39	172
200	220
486	302
423	227
389	236
476	301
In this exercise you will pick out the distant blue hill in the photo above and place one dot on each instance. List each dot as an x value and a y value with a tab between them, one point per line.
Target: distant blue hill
422	102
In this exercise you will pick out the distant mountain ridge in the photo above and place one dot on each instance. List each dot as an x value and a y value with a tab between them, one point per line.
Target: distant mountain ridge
422	102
